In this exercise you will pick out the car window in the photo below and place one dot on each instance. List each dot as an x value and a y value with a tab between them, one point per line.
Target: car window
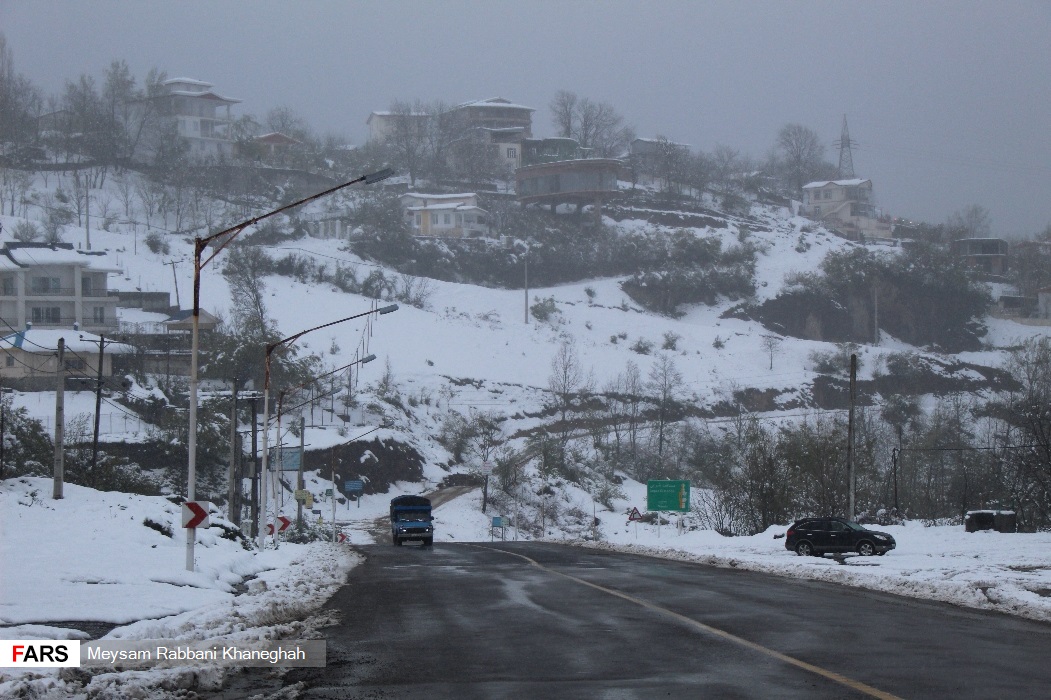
836	526
821	525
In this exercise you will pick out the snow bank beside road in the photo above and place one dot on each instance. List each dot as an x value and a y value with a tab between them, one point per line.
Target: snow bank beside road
89	558
1008	573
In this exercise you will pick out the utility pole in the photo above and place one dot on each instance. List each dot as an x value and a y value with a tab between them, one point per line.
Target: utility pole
2	415
60	417
98	406
851	480
299	475
233	489
98	398
255	467
875	313
527	286
174	277
894	472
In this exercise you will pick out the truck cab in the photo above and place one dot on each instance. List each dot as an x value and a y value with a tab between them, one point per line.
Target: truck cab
410	519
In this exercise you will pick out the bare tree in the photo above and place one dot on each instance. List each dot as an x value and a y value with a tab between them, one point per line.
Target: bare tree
563	112
246	269
972	222
566	378
771	343
408	136
801	152
666	382
150	195
20	101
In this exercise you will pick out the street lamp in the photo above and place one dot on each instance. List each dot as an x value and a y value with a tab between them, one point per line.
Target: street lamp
200	244
266	402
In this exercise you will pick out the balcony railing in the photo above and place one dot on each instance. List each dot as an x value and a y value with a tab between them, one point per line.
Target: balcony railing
51	292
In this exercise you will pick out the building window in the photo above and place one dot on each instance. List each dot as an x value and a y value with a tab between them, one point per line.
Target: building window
9	287
43	285
47	314
98	314
9	361
75	364
419	220
512	153
447	221
817	211
828	194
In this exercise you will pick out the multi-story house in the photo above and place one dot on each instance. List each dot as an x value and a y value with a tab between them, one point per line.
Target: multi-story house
988	255
202	115
445	215
495	123
55	286
847	206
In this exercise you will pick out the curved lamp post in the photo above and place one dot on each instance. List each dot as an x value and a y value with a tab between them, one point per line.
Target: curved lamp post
266	404
200	245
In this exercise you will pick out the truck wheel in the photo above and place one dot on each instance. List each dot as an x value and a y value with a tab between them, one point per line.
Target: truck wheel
397	542
428	542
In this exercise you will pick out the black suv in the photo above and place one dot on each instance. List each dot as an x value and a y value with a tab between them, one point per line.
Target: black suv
816	536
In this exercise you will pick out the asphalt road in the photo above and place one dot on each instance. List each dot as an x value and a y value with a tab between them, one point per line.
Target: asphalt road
533	620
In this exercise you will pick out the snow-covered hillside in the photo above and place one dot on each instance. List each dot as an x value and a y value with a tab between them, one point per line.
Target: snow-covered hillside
468	349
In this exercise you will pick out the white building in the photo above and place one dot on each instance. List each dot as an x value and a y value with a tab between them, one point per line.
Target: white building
445	215
846	205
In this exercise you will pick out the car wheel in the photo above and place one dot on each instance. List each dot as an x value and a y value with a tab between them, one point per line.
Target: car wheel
428	542
866	549
805	549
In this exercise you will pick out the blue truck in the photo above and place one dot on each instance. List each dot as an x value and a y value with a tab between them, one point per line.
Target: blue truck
410	519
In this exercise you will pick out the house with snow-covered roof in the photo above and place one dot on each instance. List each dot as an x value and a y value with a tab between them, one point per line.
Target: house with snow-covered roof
55	286
32	354
445	215
202	116
847	206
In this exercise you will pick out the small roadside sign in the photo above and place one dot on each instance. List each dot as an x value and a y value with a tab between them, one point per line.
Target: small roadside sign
634	515
328	493
356	486
341	538
290	458
487	467
195	514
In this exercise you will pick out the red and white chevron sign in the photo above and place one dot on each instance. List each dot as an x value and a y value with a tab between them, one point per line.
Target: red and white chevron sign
341	538
195	513
282	525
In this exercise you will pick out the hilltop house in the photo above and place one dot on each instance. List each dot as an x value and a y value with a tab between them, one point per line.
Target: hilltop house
847	206
202	116
496	124
55	286
445	215
988	255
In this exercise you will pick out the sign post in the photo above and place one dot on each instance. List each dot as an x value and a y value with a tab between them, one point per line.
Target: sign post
355	487
667	495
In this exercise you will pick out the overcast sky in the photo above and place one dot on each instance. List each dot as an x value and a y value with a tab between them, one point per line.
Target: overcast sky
948	101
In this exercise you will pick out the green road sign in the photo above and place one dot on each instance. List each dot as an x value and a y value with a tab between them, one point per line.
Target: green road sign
668	495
